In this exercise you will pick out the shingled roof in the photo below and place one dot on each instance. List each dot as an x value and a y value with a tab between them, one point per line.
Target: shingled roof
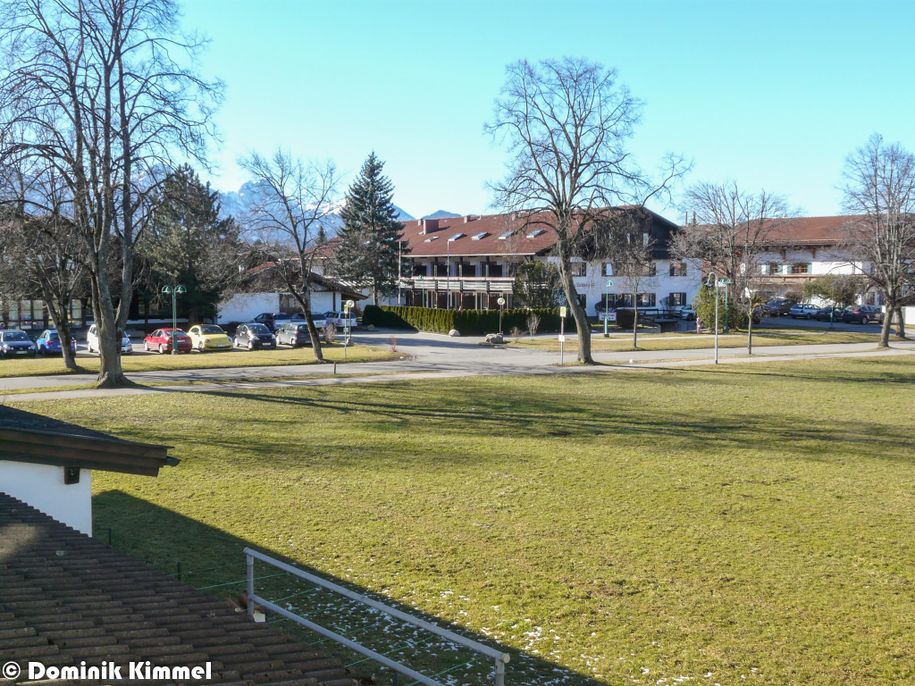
66	598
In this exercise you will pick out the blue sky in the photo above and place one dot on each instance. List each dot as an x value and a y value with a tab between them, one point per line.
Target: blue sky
772	94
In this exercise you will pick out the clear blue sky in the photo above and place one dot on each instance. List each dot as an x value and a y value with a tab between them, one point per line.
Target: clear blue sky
772	94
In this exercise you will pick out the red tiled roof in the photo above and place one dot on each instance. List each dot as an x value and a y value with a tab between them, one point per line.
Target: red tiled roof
812	230
66	598
491	234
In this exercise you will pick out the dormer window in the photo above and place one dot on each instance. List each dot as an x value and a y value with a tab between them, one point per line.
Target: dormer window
482	234
505	236
456	236
536	232
430	239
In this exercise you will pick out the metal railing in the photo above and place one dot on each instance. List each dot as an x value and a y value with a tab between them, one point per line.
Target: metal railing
500	658
486	284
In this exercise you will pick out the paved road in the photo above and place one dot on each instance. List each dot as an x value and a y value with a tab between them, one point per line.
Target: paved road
427	356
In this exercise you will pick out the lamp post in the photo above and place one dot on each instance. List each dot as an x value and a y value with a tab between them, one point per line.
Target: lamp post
347	308
714	282
501	302
607	308
174	291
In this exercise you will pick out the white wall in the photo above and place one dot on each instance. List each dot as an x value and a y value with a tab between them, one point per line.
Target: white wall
42	486
243	307
908	316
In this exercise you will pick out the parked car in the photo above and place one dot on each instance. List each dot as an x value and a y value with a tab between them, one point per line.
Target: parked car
803	311
209	337
862	314
254	335
48	343
826	314
92	341
274	320
688	313
339	319
161	340
294	334
777	307
16	343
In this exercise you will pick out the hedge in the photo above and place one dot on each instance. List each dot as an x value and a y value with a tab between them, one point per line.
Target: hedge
467	322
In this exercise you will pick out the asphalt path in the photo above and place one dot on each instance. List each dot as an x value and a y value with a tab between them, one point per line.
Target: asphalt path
426	355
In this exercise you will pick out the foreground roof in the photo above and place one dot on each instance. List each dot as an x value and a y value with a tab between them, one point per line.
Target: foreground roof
28	437
66	598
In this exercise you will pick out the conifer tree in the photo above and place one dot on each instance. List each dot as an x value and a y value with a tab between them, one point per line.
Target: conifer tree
188	243
369	250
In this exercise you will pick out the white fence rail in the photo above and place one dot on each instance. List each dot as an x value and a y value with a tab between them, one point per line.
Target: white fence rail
501	659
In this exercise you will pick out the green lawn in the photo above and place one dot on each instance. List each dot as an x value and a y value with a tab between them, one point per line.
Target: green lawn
141	362
620	342
750	524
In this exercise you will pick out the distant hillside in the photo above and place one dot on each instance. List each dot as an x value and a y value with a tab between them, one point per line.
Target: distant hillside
441	214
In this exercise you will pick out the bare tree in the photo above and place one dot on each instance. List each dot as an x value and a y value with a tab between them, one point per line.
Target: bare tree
732	231
40	254
566	124
623	237
102	92
880	189
285	222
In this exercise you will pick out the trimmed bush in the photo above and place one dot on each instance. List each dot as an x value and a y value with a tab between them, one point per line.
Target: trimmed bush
468	322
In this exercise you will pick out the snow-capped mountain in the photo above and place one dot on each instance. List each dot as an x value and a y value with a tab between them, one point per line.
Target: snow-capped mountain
238	203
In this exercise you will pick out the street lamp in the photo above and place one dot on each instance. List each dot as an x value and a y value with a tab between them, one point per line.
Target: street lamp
607	307
714	282
174	291
501	302
347	308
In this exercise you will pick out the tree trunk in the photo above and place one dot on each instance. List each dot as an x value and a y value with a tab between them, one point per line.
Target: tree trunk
314	336
885	329
900	323
578	312
111	374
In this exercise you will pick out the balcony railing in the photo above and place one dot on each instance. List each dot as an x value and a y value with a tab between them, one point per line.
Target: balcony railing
461	284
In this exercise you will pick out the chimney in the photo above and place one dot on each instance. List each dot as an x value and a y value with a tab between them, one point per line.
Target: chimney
429	225
470	218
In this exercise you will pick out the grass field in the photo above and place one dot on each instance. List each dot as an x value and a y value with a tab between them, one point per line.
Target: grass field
738	525
141	362
688	341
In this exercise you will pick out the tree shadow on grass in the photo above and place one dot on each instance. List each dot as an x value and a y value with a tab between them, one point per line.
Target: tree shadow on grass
540	414
212	561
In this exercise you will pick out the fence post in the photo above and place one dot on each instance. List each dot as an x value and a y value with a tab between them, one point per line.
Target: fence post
249	564
500	672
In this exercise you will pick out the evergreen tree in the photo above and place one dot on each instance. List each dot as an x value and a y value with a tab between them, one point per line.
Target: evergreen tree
187	243
369	249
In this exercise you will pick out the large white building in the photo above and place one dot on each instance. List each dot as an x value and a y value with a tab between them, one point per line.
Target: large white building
805	248
469	263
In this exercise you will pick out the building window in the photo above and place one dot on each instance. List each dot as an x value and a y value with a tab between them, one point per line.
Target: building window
771	268
652	269
606	269
493	269
468	269
579	268
440	268
646	299
800	268
420	270
676	299
677	268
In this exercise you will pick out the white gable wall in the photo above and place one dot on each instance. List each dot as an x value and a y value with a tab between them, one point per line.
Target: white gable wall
42	486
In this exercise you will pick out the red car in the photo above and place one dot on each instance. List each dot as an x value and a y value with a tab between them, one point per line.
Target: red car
161	340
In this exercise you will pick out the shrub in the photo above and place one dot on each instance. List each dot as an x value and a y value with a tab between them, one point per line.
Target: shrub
468	322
